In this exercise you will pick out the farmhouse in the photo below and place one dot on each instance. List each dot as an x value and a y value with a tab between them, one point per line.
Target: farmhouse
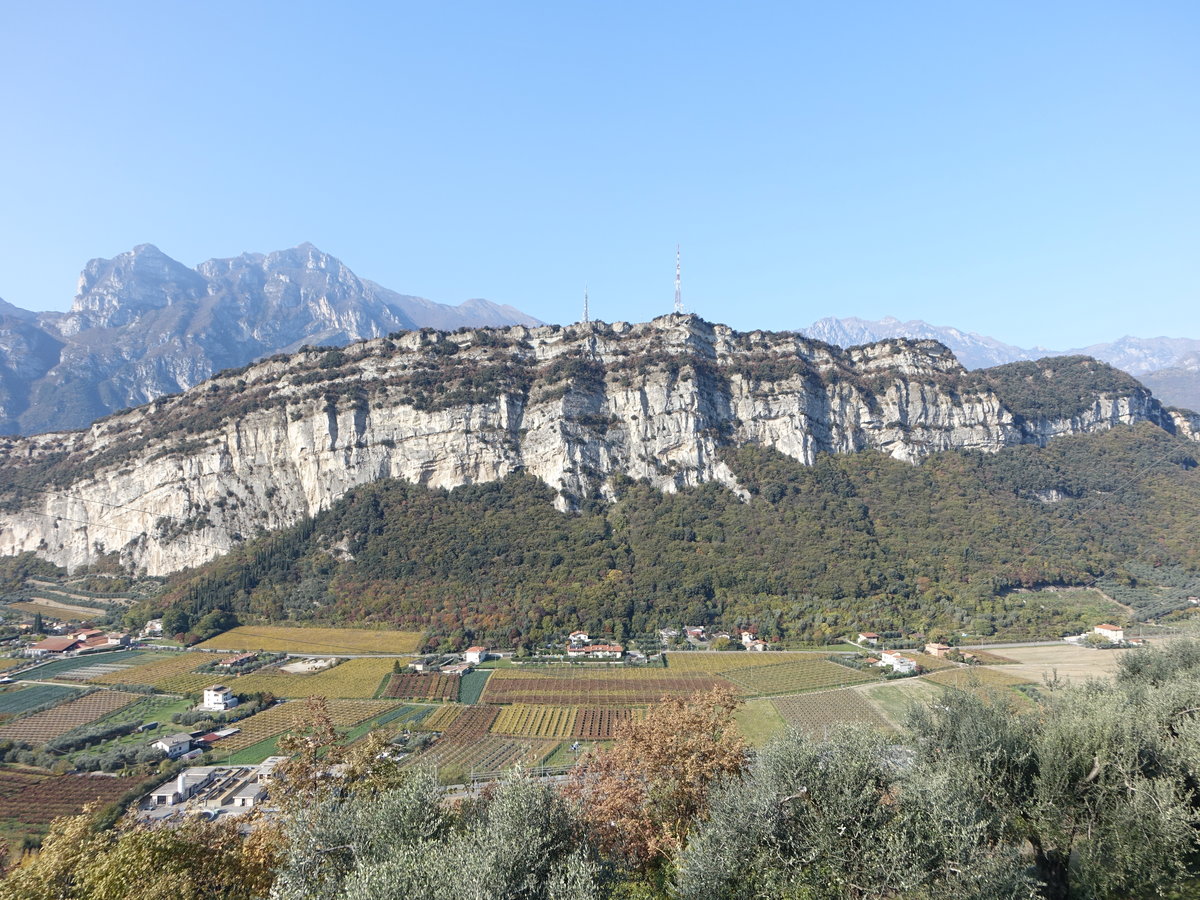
1113	633
475	655
218	698
597	651
57	646
174	745
938	650
459	669
899	663
578	638
869	638
236	660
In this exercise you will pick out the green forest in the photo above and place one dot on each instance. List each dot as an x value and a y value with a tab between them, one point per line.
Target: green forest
816	552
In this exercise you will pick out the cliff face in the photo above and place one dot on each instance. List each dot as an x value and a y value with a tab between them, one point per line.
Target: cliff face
185	478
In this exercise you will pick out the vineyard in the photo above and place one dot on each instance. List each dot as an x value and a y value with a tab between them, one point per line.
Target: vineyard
575	687
352	679
410	686
316	641
174	670
456	758
35	799
817	712
794	677
51	723
718	661
277	719
601	724
536	721
66	668
17	700
440	718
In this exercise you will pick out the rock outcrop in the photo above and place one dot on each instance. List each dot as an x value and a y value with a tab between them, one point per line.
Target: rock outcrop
185	478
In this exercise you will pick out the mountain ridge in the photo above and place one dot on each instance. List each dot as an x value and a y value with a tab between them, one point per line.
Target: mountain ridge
143	325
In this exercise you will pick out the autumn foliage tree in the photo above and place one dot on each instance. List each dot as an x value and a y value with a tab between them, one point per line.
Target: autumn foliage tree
640	796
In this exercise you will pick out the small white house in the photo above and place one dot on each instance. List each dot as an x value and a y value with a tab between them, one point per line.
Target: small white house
174	745
475	655
218	698
869	638
1111	633
597	651
899	663
578	638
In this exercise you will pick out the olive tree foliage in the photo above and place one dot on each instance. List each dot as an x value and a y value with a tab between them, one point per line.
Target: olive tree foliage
521	842
1098	784
848	817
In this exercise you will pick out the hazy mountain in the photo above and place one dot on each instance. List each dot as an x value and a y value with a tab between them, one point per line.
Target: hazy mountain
1178	385
143	325
1134	355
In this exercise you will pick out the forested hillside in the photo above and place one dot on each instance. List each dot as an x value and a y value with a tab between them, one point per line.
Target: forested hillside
816	551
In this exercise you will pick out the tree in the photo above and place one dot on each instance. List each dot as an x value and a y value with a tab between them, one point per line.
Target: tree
641	796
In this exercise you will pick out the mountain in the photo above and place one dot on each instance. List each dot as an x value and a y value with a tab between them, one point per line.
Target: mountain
1178	384
579	408
1138	356
143	325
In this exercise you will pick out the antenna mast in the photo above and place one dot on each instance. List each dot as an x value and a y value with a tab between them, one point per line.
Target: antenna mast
585	306
678	292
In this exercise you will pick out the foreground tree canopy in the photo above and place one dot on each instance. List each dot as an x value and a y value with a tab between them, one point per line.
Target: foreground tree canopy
1091	791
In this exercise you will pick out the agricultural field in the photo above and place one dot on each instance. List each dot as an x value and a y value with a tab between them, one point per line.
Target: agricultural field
793	677
815	713
719	661
471	685
51	723
1070	663
536	721
66	668
456	759
582	687
413	686
56	608
758	721
33	798
17	699
440	718
275	720
895	698
978	677
601	723
295	639
358	679
172	671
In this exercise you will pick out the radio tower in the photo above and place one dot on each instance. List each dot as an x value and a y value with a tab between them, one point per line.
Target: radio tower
678	292
585	306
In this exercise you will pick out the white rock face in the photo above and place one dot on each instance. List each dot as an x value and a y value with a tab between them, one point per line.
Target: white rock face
184	479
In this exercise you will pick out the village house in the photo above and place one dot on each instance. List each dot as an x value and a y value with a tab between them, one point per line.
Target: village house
938	650
174	745
231	661
475	655
869	638
578	638
459	669
218	698
696	632
1113	633
900	664
597	651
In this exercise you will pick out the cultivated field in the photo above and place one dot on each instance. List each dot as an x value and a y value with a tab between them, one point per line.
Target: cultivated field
989	677
293	639
35	799
440	718
173	673
817	712
48	724
536	721
717	661
794	677
277	719
601	723
56	608
18	699
66	668
582	687
456	759
1071	663
413	686
350	679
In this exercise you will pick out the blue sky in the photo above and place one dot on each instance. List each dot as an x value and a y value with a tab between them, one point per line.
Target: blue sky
1026	170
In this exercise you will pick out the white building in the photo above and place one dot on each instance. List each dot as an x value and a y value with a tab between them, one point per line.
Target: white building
597	651
578	638
174	745
900	664
218	698
475	655
1110	632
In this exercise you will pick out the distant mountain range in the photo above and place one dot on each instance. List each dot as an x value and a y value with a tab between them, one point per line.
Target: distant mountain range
143	325
1168	366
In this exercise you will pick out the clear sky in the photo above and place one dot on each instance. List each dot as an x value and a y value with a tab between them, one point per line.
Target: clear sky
1028	170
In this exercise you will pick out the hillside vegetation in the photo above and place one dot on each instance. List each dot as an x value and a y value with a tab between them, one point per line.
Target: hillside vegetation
815	552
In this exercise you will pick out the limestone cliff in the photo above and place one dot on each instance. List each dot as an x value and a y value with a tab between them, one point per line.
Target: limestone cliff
184	478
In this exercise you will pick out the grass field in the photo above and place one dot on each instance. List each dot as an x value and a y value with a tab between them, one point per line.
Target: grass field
978	676
817	712
1071	663
758	721
793	677
895	698
51	723
294	639
18	699
355	679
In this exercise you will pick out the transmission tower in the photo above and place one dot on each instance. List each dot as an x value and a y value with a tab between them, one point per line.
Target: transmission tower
585	306
678	292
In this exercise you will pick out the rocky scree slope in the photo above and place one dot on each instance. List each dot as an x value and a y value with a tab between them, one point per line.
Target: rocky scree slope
184	478
143	325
